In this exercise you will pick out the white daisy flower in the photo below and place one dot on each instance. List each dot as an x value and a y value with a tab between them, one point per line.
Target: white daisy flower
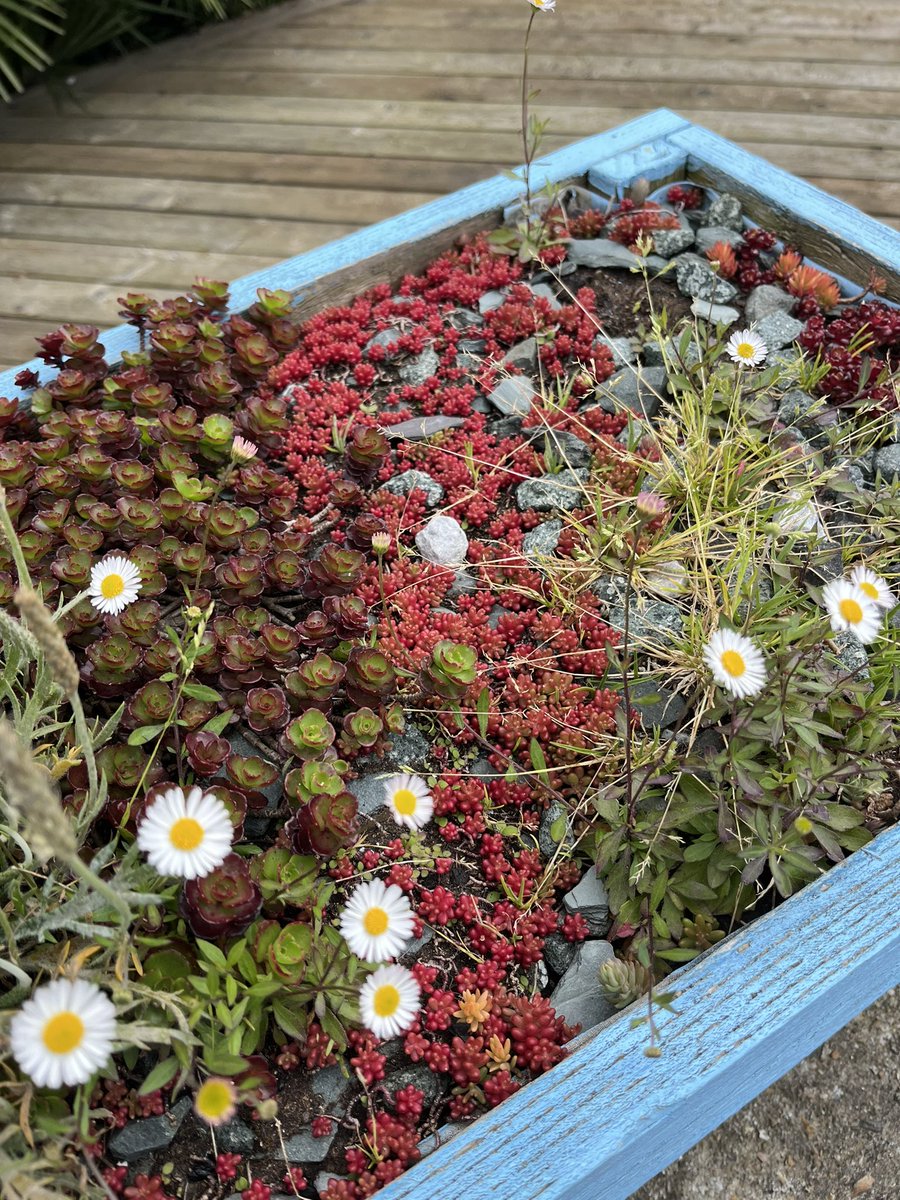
64	1033
852	609
408	798
544	5
115	584
377	921
736	662
874	586
215	1100
243	450
746	348
186	835
389	1000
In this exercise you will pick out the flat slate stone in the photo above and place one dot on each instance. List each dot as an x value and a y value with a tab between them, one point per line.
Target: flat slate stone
577	998
553	813
710	234
148	1134
546	293
408	481
523	355
601	252
369	792
564	491
418	428
491	300
651	623
388	338
443	541
235	1137
657	706
639	391
558	953
778	329
543	539
622	350
794	405
513	396
765	300
716	314
669	242
589	899
565	447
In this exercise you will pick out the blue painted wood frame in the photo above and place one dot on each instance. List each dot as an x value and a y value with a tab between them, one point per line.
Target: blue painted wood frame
608	1118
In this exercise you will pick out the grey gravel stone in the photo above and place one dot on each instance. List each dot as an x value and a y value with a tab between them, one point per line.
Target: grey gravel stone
794	405
410	748
793	514
415	371
887	461
852	653
470	352
369	792
601	252
418	428
150	1133
408	481
505	427
565	447
610	588
545	292
622	349
653	353
640	391
558	953
710	234
725	210
235	1137
765	300
388	338
547	843
577	997
543	539
716	314
669	242
523	355
513	396
650	623
658	707
778	329
302	1147
564	491
443	541
696	278
463	585
588	898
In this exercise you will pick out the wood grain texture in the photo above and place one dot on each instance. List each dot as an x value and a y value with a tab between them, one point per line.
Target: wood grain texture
607	1119
379	101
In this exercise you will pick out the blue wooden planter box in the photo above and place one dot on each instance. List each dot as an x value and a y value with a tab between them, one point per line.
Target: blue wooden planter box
608	1118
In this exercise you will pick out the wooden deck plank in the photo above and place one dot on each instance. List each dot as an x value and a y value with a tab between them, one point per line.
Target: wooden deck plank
339	112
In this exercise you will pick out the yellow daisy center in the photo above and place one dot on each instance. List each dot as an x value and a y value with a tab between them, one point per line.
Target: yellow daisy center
375	922
386	1000
745	350
214	1099
870	589
113	585
733	663
851	611
186	834
63	1033
405	802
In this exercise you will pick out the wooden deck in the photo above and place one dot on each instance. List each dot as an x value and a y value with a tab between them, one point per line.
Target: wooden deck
221	153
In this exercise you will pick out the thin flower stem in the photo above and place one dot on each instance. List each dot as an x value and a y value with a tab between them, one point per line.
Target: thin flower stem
12	541
87	746
630	797
526	144
93	880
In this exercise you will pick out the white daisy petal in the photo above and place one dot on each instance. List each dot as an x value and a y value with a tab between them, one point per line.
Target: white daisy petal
377	921
389	1000
409	800
874	586
746	348
115	583
736	663
186	836
852	609
64	1033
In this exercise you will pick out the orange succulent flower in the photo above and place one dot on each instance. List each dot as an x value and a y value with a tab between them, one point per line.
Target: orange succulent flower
808	281
721	255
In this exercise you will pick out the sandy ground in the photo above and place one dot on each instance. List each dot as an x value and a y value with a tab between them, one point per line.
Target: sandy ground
829	1130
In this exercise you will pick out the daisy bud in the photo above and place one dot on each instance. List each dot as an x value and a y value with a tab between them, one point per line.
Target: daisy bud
381	543
29	792
650	506
60	662
243	450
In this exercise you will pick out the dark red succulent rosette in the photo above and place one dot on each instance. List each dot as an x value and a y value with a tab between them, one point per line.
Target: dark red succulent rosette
222	903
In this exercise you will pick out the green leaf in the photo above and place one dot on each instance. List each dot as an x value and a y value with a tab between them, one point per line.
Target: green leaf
212	954
538	761
146	733
220	722
161	1074
482	707
198	691
558	829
